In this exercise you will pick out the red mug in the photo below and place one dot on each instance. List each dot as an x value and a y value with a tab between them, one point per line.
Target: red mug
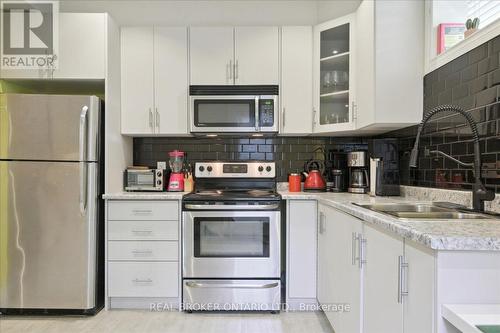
294	182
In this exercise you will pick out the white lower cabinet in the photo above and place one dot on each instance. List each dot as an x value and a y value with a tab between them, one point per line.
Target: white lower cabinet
143	279
399	283
142	253
387	282
340	258
383	312
301	252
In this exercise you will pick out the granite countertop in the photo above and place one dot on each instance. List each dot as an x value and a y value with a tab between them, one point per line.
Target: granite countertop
470	235
144	196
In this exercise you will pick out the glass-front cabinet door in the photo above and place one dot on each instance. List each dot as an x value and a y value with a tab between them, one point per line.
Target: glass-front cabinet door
334	76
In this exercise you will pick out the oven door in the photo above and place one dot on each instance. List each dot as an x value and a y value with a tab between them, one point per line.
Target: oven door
224	114
231	244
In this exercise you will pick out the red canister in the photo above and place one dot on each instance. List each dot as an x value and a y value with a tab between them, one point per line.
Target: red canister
294	182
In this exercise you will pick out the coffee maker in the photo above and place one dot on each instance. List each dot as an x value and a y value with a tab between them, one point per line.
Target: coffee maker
337	171
358	172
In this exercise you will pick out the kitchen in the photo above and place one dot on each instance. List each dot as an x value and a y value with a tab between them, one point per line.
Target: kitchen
253	166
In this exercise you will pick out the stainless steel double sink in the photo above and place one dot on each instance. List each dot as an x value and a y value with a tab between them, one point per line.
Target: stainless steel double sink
424	211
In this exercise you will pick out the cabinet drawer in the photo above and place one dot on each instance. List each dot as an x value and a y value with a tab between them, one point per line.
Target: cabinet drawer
143	279
143	210
143	230
143	250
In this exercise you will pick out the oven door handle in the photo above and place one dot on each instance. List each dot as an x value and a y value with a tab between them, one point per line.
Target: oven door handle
232	286
232	207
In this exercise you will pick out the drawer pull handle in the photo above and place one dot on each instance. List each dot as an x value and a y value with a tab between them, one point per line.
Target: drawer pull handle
142	281
142	212
142	253
142	232
231	286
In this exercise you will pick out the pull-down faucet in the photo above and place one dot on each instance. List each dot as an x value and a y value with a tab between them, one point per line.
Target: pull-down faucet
479	193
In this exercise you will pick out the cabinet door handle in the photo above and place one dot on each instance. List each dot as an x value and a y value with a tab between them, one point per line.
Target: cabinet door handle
236	70
150	118
354	242
231	69
321	223
354	113
157	119
283	116
402	278
314	117
362	250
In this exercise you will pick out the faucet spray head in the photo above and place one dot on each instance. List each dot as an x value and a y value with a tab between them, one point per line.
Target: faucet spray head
414	157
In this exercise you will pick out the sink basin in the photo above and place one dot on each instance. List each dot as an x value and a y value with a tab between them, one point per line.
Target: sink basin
394	208
424	212
450	215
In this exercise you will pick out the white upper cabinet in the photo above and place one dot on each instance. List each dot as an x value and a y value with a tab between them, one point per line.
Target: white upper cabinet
390	64
334	75
228	55
256	55
296	80
212	55
81	55
137	93
171	80
154	80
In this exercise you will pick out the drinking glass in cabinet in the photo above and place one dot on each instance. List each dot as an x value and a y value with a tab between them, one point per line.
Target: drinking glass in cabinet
334	75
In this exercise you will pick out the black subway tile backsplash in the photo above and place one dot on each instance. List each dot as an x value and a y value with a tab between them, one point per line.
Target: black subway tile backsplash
478	92
289	153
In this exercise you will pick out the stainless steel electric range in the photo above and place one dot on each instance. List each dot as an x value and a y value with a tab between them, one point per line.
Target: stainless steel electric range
231	238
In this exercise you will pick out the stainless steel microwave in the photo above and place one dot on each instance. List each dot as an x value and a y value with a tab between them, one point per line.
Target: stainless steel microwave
234	109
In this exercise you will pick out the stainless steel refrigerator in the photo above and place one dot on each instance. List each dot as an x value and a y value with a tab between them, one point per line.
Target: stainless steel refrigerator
51	214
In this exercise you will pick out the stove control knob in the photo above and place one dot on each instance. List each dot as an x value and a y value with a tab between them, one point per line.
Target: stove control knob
158	182
209	168
261	168
158	173
201	168
268	168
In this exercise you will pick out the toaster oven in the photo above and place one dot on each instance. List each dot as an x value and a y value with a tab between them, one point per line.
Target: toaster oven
144	180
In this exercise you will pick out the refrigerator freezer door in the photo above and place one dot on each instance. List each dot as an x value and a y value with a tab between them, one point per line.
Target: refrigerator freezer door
47	244
50	127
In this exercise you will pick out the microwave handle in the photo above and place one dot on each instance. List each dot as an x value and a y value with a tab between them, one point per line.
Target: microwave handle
257	120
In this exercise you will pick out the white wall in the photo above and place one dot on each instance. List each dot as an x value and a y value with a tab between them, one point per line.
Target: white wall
118	148
215	12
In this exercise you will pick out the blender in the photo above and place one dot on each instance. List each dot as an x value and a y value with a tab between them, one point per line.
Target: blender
176	162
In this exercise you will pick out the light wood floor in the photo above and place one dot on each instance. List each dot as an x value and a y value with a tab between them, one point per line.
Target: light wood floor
125	321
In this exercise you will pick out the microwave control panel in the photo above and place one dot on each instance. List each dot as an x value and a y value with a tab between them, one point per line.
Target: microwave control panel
266	113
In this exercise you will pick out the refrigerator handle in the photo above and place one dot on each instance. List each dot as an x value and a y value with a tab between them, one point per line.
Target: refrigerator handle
83	157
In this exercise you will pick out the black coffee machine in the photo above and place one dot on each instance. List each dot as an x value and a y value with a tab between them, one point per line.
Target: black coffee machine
336	171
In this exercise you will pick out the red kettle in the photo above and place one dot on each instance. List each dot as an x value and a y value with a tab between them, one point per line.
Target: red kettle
314	179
